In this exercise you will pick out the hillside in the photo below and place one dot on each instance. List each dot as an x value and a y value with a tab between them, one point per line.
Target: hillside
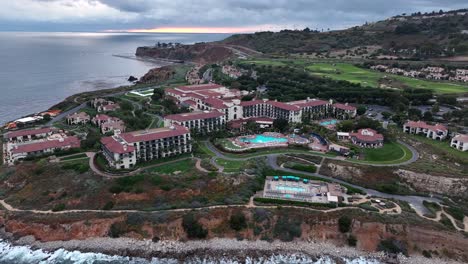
414	36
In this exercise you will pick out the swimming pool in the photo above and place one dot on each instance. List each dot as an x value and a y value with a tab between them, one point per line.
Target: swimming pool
259	139
328	122
290	188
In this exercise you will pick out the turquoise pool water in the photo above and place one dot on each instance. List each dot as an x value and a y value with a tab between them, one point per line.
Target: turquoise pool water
258	139
328	122
290	188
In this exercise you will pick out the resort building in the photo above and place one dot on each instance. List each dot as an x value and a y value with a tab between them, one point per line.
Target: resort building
124	150
55	142
108	124
28	134
344	111
108	108
460	142
303	190
437	131
200	122
216	97
367	138
103	105
78	118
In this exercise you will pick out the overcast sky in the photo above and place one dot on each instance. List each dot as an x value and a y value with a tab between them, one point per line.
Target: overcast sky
204	15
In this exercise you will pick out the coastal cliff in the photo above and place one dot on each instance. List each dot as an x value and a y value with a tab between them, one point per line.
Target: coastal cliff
202	53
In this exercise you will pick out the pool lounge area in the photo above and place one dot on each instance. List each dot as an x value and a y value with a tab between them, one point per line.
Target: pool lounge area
265	140
328	123
301	189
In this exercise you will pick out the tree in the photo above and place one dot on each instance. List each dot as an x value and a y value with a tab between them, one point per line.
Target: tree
414	114
237	221
435	108
281	124
346	126
251	126
361	110
386	115
344	224
192	227
158	94
427	116
47	117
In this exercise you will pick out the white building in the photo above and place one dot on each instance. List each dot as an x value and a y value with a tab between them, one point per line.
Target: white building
460	142
437	131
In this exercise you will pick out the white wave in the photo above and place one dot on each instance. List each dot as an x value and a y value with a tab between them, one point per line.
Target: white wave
26	255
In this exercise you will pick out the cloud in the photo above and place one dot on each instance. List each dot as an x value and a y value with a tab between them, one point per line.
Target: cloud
264	14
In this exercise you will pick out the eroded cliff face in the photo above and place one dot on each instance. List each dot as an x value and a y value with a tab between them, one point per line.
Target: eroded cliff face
201	53
158	75
435	184
414	233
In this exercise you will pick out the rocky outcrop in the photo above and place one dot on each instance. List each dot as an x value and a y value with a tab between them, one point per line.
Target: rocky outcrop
435	184
158	75
202	53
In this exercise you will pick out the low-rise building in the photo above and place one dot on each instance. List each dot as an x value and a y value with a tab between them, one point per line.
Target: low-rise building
78	118
367	138
28	134
460	142
344	111
303	190
124	150
200	122
437	131
108	124
108	107
18	151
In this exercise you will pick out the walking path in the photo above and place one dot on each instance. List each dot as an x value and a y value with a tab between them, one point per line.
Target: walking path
109	175
416	202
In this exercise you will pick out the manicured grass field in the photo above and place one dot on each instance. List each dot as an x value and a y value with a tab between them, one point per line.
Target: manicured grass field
231	165
390	153
182	166
351	73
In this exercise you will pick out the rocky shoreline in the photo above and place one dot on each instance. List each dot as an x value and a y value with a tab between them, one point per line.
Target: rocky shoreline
216	249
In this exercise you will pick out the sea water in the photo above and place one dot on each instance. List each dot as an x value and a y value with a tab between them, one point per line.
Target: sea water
38	70
26	255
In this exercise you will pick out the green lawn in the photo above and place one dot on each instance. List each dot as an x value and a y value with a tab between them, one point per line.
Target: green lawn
182	166
231	165
443	146
351	73
228	144
390	153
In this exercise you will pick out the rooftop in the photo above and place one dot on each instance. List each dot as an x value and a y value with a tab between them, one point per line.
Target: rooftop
199	87
461	137
422	124
27	132
153	134
344	107
72	142
194	115
367	135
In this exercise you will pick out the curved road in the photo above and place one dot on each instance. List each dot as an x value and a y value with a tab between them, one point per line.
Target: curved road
415	201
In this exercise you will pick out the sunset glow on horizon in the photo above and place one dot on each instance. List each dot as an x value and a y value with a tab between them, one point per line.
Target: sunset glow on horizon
231	30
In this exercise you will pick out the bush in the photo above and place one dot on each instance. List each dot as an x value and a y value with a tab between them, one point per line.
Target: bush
456	212
192	227
307	168
237	221
108	206
58	207
286	228
296	203
352	241
78	167
344	224
117	229
392	246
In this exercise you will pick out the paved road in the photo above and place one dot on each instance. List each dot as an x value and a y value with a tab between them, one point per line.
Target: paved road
64	114
415	156
415	201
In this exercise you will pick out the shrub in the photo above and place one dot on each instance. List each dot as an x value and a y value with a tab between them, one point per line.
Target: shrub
286	228
307	168
352	241
456	212
392	246
344	224
58	207
426	254
108	206
117	229
237	221
192	227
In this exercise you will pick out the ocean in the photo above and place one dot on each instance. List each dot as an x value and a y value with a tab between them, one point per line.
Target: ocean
38	70
26	255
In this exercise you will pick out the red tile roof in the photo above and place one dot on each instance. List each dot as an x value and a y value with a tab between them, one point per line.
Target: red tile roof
253	102
422	124
114	146
284	106
174	91
71	142
153	134
461	137
215	103
367	135
310	103
344	107
198	87
110	107
190	102
21	133
102	117
194	116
